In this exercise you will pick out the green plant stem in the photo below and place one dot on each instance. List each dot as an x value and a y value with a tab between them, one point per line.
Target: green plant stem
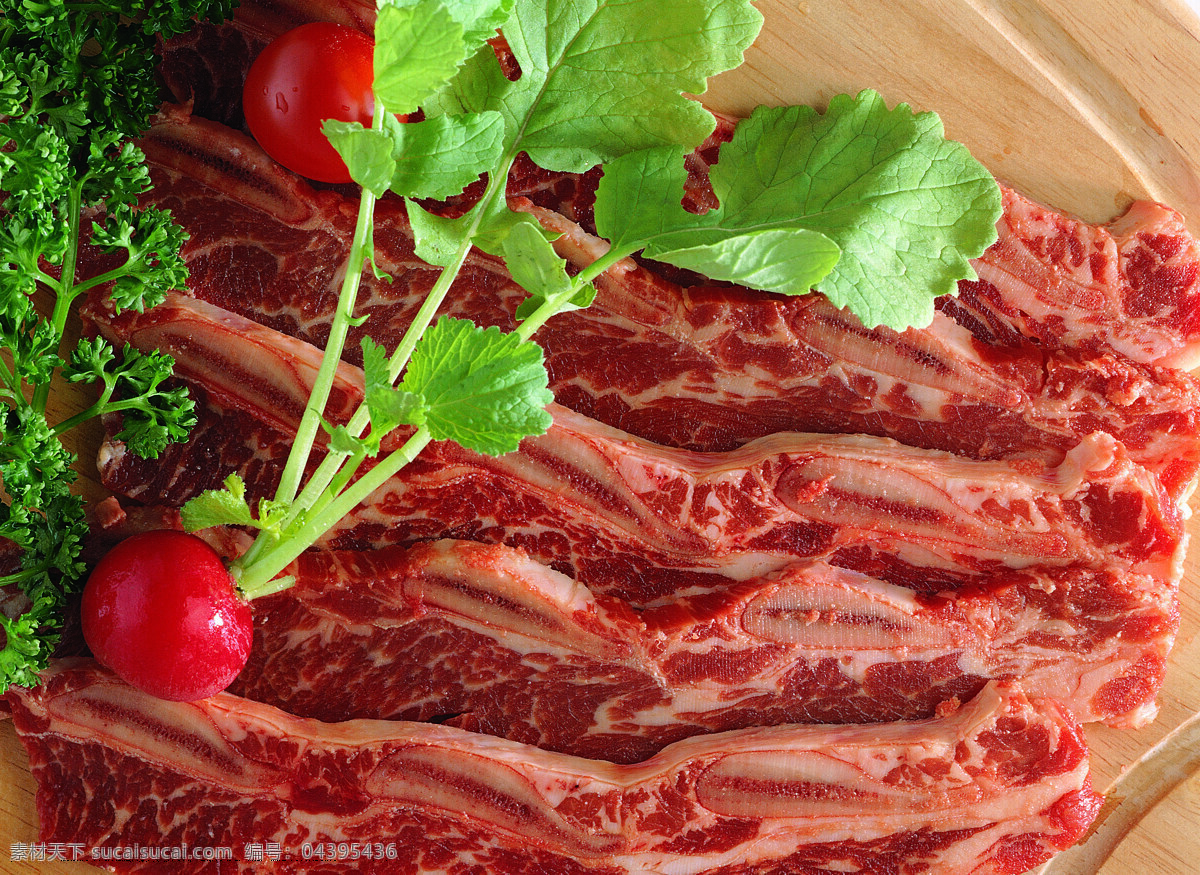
65	286
332	490
256	579
10	381
101	406
310	422
341	467
324	475
445	280
271	552
101	279
25	574
554	304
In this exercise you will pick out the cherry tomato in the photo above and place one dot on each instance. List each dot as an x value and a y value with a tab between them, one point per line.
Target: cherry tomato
315	72
161	611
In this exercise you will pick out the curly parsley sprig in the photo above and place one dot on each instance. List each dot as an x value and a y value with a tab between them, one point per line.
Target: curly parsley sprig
77	81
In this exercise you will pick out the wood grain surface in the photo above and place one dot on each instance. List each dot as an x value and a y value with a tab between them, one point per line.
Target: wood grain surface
1082	104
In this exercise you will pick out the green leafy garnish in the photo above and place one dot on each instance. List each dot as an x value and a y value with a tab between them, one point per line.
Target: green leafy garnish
152	415
587	93
638	207
439	157
424	48
77	81
600	79
368	152
482	388
870	205
388	406
229	506
873	207
538	269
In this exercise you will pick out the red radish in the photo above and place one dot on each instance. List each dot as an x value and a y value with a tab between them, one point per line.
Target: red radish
161	611
315	72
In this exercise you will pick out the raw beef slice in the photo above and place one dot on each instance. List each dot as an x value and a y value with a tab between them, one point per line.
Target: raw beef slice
995	786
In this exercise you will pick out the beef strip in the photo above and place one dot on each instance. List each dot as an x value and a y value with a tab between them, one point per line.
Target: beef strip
1131	288
483	637
995	786
691	536
650	524
698	367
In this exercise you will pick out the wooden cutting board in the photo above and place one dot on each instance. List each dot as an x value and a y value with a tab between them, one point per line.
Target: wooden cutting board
1082	104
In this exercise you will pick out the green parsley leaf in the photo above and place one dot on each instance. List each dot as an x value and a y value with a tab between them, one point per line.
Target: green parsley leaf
439	157
152	416
602	78
367	153
388	406
116	172
33	466
418	47
51	534
29	642
153	266
77	81
538	269
229	507
483	388
905	208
